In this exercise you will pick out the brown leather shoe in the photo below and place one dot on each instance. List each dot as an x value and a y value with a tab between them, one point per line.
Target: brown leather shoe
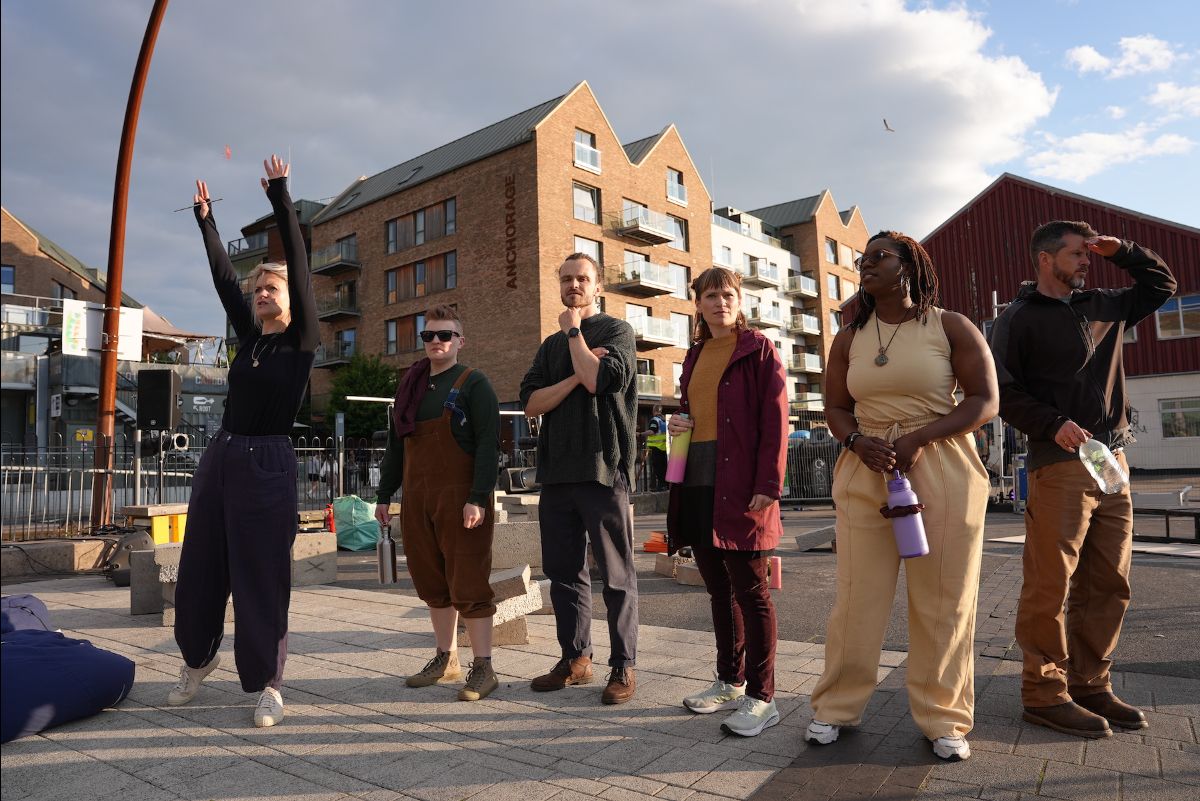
621	686
565	673
1069	718
1114	710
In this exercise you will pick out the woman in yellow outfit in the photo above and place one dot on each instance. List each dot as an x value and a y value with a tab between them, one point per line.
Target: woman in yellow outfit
890	388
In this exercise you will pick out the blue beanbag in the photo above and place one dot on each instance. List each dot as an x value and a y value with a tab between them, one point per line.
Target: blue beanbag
47	679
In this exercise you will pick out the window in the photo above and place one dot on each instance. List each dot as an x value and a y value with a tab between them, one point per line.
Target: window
586	154
451	215
636	264
682	326
389	337
644	367
857	255
442	272
451	268
425	225
344	341
64	293
345	295
420	227
391	231
435	274
419	278
680	230
1180	417
831	251
676	375
848	288
1178	317
844	257
633	311
726	255
590	247
835	321
680	278
676	191
831	287
390	295
8	279
587	203
1130	336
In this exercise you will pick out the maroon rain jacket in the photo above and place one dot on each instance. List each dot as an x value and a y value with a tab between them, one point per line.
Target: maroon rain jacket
752	422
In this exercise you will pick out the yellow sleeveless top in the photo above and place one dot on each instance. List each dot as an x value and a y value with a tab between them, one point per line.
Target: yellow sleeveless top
916	381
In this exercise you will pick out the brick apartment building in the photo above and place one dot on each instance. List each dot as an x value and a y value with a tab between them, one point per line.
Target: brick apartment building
484	222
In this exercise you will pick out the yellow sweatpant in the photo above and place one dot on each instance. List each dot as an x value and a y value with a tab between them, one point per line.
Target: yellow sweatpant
943	586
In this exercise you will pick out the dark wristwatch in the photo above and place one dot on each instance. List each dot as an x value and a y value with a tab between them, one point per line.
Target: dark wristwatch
572	333
849	440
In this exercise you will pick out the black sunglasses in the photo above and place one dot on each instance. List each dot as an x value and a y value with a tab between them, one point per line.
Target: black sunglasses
444	336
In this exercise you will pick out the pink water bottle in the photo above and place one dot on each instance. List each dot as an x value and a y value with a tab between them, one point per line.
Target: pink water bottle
908	529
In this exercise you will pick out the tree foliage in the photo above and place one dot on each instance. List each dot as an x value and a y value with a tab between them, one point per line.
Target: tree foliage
364	375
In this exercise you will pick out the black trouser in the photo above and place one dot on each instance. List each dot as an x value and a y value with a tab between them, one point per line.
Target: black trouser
240	529
570	515
658	468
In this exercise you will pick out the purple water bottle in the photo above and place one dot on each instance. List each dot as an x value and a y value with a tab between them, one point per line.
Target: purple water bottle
908	529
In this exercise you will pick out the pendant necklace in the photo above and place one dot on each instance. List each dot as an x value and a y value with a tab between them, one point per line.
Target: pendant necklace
882	358
256	353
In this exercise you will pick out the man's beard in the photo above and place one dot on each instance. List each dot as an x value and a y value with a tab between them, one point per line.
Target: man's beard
577	301
1070	279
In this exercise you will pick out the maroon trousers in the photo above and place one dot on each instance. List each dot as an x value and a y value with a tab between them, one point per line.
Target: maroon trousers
743	617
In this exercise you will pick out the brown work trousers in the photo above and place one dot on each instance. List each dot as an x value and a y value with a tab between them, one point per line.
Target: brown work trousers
449	564
1078	543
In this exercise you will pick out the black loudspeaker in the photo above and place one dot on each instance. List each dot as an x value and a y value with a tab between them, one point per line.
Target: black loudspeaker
157	400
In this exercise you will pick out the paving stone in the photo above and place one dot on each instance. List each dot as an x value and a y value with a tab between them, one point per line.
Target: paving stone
1181	766
1042	743
1144	788
1001	771
734	779
1079	783
1123	757
683	767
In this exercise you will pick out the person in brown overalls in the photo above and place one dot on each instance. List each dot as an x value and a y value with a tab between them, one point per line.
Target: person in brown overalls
442	449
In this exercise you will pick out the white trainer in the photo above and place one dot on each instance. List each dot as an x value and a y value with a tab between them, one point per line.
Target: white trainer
270	708
953	748
189	682
822	733
751	717
720	695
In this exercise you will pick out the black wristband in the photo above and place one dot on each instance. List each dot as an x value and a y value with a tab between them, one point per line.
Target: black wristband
848	442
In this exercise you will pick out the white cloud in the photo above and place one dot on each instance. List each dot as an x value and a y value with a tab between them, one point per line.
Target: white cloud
1176	100
1138	55
1077	158
1116	112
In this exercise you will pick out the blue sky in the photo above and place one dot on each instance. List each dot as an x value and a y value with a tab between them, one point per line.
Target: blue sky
775	99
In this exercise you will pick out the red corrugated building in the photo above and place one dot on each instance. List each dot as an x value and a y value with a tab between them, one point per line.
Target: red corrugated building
983	248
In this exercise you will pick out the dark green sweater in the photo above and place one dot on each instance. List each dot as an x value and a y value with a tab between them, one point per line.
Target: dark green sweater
479	437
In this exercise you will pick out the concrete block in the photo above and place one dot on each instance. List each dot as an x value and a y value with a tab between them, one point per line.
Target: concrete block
34	557
547	606
145	590
314	559
665	565
313	544
515	544
510	583
815	538
688	574
512	608
512	632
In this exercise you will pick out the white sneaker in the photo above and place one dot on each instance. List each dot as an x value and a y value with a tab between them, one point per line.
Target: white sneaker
822	733
189	681
270	708
751	717
719	696
953	747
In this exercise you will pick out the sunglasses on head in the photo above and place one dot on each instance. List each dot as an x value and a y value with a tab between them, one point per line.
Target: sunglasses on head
444	336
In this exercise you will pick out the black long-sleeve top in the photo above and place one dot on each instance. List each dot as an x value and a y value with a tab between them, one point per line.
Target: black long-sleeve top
265	399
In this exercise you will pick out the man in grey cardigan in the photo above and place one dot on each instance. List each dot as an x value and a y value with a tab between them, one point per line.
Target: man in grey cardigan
582	384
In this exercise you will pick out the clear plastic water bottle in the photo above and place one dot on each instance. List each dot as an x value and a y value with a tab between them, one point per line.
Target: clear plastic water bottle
1103	466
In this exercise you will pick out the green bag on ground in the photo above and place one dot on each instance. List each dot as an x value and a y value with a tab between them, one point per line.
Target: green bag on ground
354	519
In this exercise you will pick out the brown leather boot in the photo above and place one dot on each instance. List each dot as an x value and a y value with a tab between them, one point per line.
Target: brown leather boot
1114	710
621	686
1069	718
565	673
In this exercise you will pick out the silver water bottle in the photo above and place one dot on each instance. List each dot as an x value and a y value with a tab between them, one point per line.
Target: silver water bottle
385	553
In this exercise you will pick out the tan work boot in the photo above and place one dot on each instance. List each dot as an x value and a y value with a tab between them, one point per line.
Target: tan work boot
481	681
621	686
441	669
565	673
1069	718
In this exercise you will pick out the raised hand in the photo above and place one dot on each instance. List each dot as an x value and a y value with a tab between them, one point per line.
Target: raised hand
276	168
201	198
1106	246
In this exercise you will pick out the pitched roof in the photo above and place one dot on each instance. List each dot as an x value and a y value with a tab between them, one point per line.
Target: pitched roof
846	215
306	210
793	212
59	254
507	133
638	150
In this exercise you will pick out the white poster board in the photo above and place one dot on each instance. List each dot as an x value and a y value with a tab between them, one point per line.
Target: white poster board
83	330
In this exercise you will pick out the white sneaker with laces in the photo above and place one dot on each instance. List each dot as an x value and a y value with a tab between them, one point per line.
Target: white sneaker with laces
953	747
822	733
720	695
270	708
751	717
189	682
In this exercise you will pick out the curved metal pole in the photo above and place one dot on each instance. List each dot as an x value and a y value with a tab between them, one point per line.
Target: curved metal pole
106	414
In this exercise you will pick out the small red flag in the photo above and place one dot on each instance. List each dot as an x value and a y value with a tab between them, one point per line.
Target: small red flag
228	153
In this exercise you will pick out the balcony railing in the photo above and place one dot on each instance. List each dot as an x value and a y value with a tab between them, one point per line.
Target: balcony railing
587	157
764	316
802	285
338	256
760	272
808	402
745	230
639	278
334	354
677	192
649	386
246	245
652	227
805	324
655	332
804	363
342	304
